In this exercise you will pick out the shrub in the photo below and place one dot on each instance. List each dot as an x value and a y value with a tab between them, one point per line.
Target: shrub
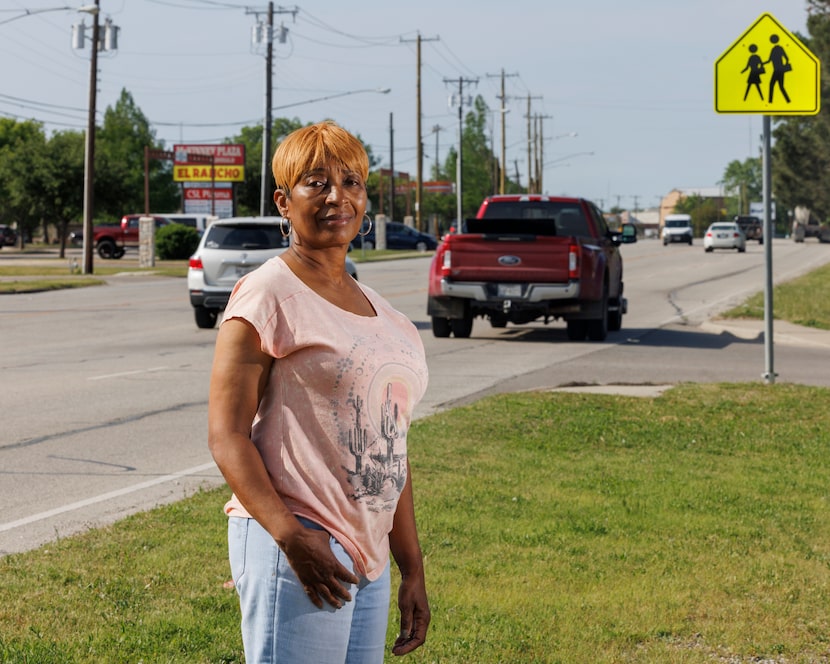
176	242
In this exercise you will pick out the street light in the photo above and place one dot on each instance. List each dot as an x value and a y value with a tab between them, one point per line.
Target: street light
568	156
558	162
382	91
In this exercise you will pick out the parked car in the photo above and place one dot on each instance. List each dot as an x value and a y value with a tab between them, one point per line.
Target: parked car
8	236
398	236
229	249
724	235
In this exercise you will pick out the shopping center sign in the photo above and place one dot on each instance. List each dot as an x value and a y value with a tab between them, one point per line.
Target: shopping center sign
228	163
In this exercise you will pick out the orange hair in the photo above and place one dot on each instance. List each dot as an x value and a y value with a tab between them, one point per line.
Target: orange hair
315	146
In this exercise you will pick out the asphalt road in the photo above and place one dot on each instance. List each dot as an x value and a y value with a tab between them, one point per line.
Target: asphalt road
104	390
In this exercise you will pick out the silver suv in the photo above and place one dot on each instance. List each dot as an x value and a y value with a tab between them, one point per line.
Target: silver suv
229	249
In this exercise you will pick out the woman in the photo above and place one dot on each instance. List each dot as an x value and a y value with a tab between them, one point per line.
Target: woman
314	381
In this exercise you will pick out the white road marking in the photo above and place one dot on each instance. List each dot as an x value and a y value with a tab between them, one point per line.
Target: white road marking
128	373
103	497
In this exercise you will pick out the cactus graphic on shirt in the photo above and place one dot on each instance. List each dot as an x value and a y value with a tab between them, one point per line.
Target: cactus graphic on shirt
358	437
389	423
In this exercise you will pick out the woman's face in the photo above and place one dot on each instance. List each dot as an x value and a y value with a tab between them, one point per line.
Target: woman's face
325	207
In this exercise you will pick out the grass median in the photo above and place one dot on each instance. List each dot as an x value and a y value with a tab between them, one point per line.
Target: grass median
58	274
690	527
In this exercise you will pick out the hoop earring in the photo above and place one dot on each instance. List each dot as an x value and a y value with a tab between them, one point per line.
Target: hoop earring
368	230
283	221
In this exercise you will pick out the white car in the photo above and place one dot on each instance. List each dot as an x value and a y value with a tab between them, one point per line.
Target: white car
229	249
724	235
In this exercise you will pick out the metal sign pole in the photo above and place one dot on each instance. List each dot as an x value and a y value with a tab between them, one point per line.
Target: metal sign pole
769	371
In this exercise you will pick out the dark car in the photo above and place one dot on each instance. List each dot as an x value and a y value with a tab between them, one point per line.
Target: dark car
398	236
751	226
8	236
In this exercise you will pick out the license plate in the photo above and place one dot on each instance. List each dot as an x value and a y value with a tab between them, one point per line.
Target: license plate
510	290
242	270
723	236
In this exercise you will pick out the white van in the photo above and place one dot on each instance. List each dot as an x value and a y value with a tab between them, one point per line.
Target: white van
677	228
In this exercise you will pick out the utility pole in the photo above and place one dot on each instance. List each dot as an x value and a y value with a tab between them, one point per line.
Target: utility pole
540	152
458	181
266	125
530	183
419	159
503	99
435	130
109	43
391	168
89	160
264	33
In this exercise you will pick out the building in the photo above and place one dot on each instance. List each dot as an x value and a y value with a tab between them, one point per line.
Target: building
670	200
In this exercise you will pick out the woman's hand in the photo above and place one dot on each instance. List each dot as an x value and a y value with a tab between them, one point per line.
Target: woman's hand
322	575
415	615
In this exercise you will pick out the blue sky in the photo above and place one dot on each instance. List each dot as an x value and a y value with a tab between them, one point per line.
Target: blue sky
633	80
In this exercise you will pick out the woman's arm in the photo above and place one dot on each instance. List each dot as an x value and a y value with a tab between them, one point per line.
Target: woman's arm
238	380
412	595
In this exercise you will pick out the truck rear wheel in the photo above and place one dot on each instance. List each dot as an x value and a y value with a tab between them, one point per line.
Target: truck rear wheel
615	315
205	318
598	327
107	249
577	329
441	327
462	327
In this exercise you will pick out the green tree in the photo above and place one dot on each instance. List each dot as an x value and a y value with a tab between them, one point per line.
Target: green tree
702	210
22	149
479	169
801	151
61	176
119	164
742	182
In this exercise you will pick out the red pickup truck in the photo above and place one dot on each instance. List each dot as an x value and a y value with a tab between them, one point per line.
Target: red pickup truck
529	257
112	240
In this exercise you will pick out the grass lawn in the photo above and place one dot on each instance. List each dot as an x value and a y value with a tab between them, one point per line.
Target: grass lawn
56	274
802	301
691	527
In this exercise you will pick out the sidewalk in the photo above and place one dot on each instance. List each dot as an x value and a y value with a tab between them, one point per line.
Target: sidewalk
782	332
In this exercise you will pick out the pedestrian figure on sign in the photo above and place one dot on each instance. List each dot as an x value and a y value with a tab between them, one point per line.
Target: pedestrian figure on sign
756	67
780	66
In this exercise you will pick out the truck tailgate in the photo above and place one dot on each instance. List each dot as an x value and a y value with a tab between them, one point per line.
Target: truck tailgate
508	259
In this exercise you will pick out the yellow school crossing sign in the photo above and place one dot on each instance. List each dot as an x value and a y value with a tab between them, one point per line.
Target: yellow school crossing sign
767	70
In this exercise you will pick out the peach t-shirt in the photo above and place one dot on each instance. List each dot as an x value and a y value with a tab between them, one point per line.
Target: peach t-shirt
332	423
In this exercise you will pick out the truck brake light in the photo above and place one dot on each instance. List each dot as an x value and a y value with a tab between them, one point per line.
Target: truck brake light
446	262
573	261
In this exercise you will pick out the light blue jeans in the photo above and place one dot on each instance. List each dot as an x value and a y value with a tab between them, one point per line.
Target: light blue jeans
280	625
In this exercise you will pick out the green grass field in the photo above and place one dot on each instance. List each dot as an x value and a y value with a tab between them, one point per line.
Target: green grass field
691	527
